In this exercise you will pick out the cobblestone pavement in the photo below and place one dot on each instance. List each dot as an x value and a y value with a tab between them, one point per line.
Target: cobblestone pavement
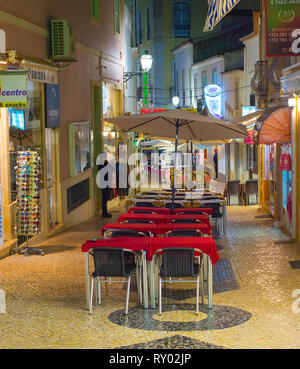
45	296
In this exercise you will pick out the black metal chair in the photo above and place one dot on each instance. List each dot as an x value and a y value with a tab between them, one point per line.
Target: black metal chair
137	221
112	262
233	189
143	212
114	233
184	233
144	204
185	212
185	221
179	263
176	205
251	189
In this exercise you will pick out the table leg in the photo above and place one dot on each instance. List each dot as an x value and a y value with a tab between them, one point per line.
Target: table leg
210	283
87	280
145	280
205	266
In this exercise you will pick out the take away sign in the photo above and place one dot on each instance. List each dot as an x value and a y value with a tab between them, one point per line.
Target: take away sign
13	90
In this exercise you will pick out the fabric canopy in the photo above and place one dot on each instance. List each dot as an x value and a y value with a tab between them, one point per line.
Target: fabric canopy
191	126
275	126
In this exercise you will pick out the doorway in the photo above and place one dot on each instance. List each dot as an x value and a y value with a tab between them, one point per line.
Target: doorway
53	178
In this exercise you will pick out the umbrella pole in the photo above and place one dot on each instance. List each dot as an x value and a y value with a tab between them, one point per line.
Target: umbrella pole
175	164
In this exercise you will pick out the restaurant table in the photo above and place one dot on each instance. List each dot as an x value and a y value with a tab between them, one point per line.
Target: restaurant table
155	229
129	243
205	244
164	218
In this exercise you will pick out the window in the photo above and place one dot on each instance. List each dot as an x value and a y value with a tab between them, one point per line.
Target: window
94	10
236	94
204	84
148	23
80	147
181	20
195	86
140	21
183	86
117	15
214	76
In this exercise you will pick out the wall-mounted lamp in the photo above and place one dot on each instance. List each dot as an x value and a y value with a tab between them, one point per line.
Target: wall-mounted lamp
146	63
175	101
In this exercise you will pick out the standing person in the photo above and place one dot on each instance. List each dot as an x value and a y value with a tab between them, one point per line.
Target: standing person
106	192
215	159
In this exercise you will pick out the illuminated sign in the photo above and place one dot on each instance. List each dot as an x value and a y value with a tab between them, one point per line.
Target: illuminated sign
213	97
13	89
155	110
248	110
146	88
249	140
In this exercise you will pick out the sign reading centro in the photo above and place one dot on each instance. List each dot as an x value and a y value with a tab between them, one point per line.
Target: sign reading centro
13	89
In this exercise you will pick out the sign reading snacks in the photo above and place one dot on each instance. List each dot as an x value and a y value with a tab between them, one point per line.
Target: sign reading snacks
13	90
282	27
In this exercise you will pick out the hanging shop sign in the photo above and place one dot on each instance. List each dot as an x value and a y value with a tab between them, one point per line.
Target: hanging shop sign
40	74
250	140
282	27
213	97
146	88
52	106
13	90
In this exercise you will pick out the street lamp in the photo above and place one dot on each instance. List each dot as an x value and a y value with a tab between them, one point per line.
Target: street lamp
146	63
175	101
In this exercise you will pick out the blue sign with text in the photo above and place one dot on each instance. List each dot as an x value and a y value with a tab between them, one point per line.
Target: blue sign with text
52	106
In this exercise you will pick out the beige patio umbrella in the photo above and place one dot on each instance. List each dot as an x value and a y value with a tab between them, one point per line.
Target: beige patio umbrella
180	124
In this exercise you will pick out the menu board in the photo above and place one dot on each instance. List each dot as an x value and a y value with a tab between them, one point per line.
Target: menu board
28	196
282	23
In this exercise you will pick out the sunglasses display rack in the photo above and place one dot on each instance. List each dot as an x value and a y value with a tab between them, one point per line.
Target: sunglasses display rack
1	218
28	173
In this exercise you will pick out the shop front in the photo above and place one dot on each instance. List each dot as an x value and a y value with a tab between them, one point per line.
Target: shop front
31	127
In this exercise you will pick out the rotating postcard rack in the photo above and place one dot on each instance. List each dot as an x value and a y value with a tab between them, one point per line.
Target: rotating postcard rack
28	171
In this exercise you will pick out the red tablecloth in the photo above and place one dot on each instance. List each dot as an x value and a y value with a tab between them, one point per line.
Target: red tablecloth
205	244
156	228
207	211
164	218
134	244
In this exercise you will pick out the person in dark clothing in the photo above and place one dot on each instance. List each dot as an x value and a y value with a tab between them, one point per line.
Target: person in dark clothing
105	193
215	159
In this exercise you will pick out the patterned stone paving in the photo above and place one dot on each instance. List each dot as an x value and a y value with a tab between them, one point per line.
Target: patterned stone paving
174	342
45	296
220	317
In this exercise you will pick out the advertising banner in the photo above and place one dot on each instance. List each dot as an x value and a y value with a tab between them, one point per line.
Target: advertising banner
52	105
282	27
13	90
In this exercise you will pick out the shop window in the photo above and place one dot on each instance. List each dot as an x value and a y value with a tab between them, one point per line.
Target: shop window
25	130
80	147
94	4
117	16
181	20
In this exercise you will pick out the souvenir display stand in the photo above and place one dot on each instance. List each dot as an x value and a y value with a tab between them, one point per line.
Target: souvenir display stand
28	172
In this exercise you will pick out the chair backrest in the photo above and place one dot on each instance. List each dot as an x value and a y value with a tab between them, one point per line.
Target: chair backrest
144	204
216	209
114	233
138	221
233	187
252	186
178	262
184	212
184	233
143	212
109	262
176	205
185	221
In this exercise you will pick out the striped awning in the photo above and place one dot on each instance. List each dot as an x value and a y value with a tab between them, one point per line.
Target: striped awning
217	9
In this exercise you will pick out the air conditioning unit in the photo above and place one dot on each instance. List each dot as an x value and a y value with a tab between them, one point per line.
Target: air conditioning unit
63	44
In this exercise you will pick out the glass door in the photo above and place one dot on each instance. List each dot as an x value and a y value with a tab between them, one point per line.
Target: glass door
52	185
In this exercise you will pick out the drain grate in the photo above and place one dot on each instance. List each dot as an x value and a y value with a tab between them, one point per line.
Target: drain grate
295	264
